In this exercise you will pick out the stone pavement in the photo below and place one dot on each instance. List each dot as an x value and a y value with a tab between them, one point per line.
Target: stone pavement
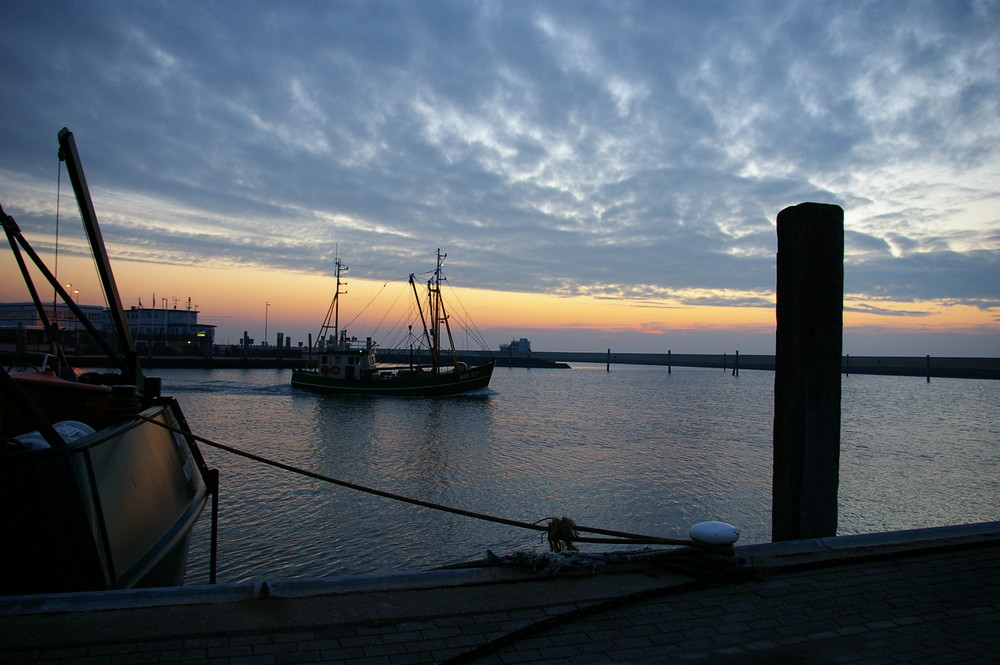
927	596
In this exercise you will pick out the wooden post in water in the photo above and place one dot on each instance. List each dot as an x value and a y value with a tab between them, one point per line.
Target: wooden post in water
847	365
607	367
928	369
736	365
668	361
808	347
723	362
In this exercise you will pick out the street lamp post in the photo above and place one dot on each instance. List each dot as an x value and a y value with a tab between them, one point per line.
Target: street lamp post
267	306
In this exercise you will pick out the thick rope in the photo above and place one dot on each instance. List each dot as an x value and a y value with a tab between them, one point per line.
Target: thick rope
562	532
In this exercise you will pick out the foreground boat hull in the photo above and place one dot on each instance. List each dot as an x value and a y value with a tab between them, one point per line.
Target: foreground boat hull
424	384
113	510
100	485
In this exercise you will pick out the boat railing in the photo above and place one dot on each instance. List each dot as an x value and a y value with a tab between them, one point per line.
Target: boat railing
344	344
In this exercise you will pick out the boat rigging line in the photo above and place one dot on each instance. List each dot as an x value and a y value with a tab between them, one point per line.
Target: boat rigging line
467	321
562	532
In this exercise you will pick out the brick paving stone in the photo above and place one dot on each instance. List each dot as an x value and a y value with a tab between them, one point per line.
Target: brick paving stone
80	660
623	623
457	621
337	632
701	632
557	653
267	659
406	659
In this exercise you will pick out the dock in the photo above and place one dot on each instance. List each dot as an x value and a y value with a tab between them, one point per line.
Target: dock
922	596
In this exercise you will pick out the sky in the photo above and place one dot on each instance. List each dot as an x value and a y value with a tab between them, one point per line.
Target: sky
600	174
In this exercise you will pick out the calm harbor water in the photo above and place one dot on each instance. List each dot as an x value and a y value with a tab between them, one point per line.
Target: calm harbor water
634	449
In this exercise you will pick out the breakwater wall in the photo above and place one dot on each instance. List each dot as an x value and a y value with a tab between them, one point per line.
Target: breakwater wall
961	368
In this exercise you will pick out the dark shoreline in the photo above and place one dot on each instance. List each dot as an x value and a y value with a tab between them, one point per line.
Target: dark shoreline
959	368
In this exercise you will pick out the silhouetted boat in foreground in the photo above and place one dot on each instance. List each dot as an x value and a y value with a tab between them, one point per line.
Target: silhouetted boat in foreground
346	365
101	481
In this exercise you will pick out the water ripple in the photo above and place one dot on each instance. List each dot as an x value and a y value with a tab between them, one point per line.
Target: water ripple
634	449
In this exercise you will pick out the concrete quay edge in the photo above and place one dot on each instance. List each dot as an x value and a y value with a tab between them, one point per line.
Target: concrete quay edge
823	551
815	552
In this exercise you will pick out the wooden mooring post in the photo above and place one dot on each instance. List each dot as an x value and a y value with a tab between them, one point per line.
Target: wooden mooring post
808	346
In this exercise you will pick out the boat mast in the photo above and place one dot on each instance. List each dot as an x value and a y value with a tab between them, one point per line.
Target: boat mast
440	315
434	295
423	321
437	314
336	298
444	314
333	313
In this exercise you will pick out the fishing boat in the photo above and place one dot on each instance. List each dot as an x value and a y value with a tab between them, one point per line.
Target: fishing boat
346	365
101	480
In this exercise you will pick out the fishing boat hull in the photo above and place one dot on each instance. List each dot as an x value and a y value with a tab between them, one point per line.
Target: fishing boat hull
403	382
114	509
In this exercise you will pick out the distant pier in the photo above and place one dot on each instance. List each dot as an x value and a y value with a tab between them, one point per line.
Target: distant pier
922	366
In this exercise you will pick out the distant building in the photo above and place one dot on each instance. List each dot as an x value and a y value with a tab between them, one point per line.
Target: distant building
24	314
21	325
521	346
159	331
155	331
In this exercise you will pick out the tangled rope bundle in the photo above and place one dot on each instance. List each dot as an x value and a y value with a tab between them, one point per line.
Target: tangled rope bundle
562	533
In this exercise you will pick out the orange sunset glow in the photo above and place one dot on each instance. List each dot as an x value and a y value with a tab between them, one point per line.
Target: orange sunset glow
237	299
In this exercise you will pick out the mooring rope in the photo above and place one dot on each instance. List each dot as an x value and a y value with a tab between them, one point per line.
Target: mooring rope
562	532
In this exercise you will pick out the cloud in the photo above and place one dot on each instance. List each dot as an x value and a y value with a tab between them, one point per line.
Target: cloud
868	308
631	149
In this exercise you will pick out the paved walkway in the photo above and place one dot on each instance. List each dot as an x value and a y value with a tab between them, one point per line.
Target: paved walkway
927	597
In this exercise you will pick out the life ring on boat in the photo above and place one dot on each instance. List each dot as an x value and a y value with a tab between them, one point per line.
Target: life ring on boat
335	370
325	370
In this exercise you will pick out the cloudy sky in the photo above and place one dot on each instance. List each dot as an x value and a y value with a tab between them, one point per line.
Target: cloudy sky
604	174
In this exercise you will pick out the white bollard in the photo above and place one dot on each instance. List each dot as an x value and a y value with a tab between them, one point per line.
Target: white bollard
714	533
